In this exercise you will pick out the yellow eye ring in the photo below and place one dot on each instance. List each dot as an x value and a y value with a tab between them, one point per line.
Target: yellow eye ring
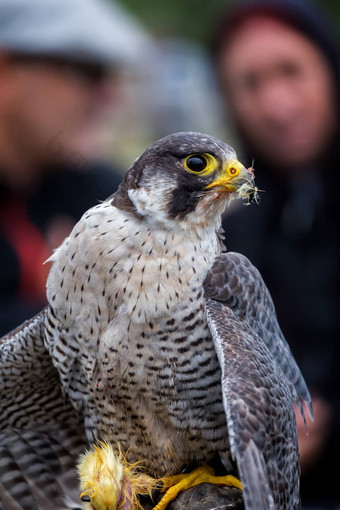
200	164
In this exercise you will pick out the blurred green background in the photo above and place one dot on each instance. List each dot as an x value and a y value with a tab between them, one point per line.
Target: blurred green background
192	19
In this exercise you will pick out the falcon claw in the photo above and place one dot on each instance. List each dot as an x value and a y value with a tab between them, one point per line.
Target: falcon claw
158	487
173	485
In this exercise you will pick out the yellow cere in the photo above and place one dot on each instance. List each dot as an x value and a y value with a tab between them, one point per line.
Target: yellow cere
234	167
226	177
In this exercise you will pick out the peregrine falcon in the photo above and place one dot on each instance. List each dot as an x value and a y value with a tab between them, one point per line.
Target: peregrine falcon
155	339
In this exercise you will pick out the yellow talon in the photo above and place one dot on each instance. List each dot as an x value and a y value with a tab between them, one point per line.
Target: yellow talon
109	482
173	485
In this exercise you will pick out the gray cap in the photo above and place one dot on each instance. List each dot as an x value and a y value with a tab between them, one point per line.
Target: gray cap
92	31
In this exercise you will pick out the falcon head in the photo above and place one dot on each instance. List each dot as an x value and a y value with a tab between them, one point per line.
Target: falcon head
185	178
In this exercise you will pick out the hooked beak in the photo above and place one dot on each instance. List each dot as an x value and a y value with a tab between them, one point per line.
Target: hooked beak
235	178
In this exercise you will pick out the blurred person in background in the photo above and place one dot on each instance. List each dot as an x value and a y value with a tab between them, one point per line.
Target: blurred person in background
56	57
277	66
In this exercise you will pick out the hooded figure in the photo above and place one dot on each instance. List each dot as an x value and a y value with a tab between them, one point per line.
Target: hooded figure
278	69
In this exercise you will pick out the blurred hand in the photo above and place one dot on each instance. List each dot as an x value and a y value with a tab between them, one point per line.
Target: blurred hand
312	445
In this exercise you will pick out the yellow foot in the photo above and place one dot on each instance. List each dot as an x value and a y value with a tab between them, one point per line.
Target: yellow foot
173	485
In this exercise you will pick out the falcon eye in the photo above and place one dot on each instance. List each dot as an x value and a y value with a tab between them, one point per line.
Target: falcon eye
202	164
196	163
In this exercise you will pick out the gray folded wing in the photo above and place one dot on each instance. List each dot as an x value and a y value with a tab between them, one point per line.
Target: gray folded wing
40	433
260	416
236	283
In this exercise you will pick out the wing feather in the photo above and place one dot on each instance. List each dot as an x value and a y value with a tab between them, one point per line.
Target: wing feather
235	282
40	432
259	410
